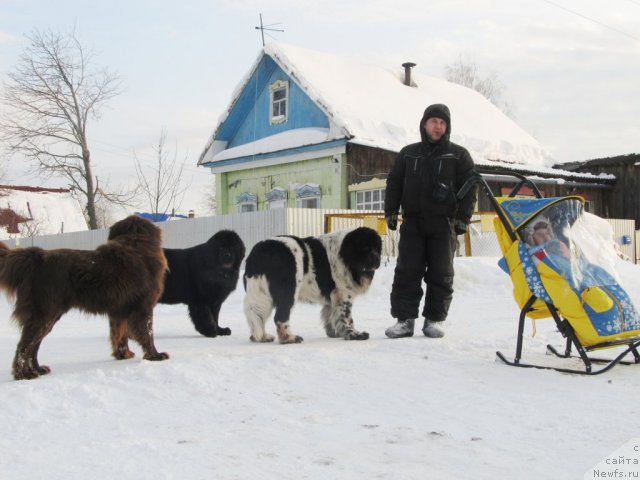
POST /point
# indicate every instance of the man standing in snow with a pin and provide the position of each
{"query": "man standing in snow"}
(424, 181)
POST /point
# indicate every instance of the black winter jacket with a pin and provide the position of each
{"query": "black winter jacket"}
(417, 169)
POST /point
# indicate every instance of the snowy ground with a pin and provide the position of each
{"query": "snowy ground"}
(226, 408)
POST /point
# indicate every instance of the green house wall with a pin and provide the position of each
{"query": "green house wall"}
(328, 172)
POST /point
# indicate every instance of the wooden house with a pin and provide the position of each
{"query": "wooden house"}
(624, 199)
(309, 129)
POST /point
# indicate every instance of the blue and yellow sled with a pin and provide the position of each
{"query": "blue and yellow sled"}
(552, 277)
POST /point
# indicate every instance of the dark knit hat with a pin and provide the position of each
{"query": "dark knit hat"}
(437, 110)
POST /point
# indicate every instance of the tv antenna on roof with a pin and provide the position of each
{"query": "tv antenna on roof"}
(262, 28)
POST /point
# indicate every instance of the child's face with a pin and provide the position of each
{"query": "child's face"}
(541, 235)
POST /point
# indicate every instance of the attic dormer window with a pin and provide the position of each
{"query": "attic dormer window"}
(279, 94)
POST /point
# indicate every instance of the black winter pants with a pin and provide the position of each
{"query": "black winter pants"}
(425, 251)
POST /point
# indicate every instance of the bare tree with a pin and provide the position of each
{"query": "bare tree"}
(163, 189)
(51, 96)
(210, 198)
(464, 71)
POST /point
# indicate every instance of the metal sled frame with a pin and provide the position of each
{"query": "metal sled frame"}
(572, 341)
(564, 327)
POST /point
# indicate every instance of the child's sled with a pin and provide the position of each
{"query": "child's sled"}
(552, 277)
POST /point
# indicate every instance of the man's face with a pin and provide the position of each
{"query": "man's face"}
(436, 128)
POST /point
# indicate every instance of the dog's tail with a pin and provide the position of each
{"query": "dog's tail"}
(4, 252)
(16, 267)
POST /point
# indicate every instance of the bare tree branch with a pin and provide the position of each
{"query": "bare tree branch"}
(52, 94)
(464, 71)
(162, 187)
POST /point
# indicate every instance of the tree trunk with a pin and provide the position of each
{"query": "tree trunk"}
(91, 190)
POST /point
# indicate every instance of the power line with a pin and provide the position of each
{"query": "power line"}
(592, 20)
(635, 3)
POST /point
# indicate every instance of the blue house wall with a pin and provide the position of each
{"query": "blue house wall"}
(248, 120)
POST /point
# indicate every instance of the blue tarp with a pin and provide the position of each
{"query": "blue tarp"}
(159, 217)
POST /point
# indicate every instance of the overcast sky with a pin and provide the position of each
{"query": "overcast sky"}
(571, 68)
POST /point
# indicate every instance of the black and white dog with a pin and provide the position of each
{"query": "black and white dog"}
(331, 270)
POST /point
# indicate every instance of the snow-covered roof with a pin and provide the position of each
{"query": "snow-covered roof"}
(370, 105)
(40, 211)
(373, 105)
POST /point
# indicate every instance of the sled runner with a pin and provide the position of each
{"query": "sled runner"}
(545, 242)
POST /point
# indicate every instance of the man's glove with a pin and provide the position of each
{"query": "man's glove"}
(459, 227)
(392, 221)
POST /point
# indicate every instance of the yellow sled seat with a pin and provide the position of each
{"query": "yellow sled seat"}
(599, 314)
(521, 291)
(552, 277)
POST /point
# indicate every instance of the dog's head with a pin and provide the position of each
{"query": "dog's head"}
(360, 251)
(135, 228)
(228, 252)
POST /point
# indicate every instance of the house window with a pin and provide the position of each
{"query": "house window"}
(247, 202)
(276, 198)
(308, 196)
(370, 200)
(308, 202)
(279, 93)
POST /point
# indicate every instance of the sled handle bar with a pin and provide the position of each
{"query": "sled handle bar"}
(476, 178)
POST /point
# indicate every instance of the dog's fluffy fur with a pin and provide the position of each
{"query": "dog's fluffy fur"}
(203, 277)
(331, 270)
(122, 278)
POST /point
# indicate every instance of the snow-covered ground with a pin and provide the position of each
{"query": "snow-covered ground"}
(226, 408)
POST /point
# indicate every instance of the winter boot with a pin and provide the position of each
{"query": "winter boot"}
(404, 328)
(432, 329)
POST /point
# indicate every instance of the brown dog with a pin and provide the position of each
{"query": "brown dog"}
(122, 278)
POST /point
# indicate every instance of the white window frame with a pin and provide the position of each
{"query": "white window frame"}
(278, 109)
(308, 202)
(370, 199)
(275, 204)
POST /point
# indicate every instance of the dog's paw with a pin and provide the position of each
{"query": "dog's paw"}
(223, 331)
(357, 336)
(123, 353)
(291, 339)
(156, 357)
(30, 374)
(265, 339)
(331, 333)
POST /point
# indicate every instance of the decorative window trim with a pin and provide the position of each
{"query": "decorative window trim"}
(308, 195)
(278, 117)
(276, 198)
(247, 202)
(308, 190)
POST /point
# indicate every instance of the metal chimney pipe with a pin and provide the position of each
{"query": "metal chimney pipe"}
(407, 72)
